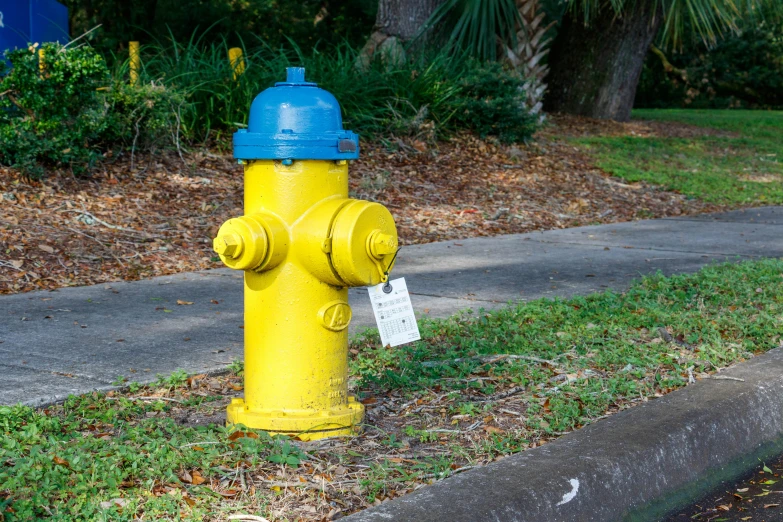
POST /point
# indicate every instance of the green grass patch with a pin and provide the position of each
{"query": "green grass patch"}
(740, 166)
(477, 387)
(599, 349)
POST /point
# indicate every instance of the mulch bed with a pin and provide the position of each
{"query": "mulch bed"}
(156, 215)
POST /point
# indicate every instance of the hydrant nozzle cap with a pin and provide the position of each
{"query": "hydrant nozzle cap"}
(295, 120)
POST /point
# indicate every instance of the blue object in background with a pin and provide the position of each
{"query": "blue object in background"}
(23, 22)
(295, 120)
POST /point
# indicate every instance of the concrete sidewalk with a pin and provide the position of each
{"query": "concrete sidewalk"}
(79, 339)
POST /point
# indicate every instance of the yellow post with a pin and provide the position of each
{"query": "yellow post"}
(135, 62)
(302, 242)
(237, 62)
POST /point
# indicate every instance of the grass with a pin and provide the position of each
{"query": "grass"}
(743, 165)
(420, 97)
(476, 388)
(601, 347)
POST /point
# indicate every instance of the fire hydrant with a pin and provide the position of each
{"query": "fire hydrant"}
(301, 243)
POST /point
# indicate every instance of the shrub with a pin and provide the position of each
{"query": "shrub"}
(68, 110)
(60, 107)
(743, 70)
(142, 116)
(437, 93)
(51, 110)
(492, 103)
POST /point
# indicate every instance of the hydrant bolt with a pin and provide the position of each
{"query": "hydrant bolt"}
(229, 245)
(382, 244)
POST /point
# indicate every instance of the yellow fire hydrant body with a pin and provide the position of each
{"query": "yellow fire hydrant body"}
(302, 242)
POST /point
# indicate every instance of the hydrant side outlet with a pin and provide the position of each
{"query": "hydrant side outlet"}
(302, 242)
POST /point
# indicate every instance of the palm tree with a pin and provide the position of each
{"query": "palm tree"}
(512, 30)
(527, 55)
(597, 56)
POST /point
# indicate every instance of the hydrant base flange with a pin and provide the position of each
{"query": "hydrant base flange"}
(329, 423)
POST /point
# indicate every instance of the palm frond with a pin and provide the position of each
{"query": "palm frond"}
(709, 19)
(476, 26)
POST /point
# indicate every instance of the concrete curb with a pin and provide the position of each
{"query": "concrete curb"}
(639, 464)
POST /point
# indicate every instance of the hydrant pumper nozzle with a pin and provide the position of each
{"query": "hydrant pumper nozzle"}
(301, 243)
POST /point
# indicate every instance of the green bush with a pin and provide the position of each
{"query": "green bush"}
(142, 116)
(51, 110)
(71, 110)
(60, 107)
(741, 71)
(491, 102)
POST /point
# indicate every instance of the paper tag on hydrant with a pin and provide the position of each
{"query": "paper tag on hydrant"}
(394, 313)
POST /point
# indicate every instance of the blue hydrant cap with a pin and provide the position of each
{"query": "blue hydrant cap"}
(295, 120)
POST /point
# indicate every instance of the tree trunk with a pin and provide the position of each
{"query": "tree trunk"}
(396, 24)
(595, 69)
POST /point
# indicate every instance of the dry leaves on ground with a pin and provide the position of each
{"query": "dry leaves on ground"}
(159, 217)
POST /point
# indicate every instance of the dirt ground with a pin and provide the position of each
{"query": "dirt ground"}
(154, 215)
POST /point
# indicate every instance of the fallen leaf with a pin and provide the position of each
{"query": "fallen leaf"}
(46, 248)
(60, 462)
(197, 478)
(17, 263)
(767, 506)
(118, 502)
(181, 302)
(239, 434)
(419, 145)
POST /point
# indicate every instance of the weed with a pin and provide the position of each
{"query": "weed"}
(237, 367)
(424, 436)
(283, 452)
(177, 378)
